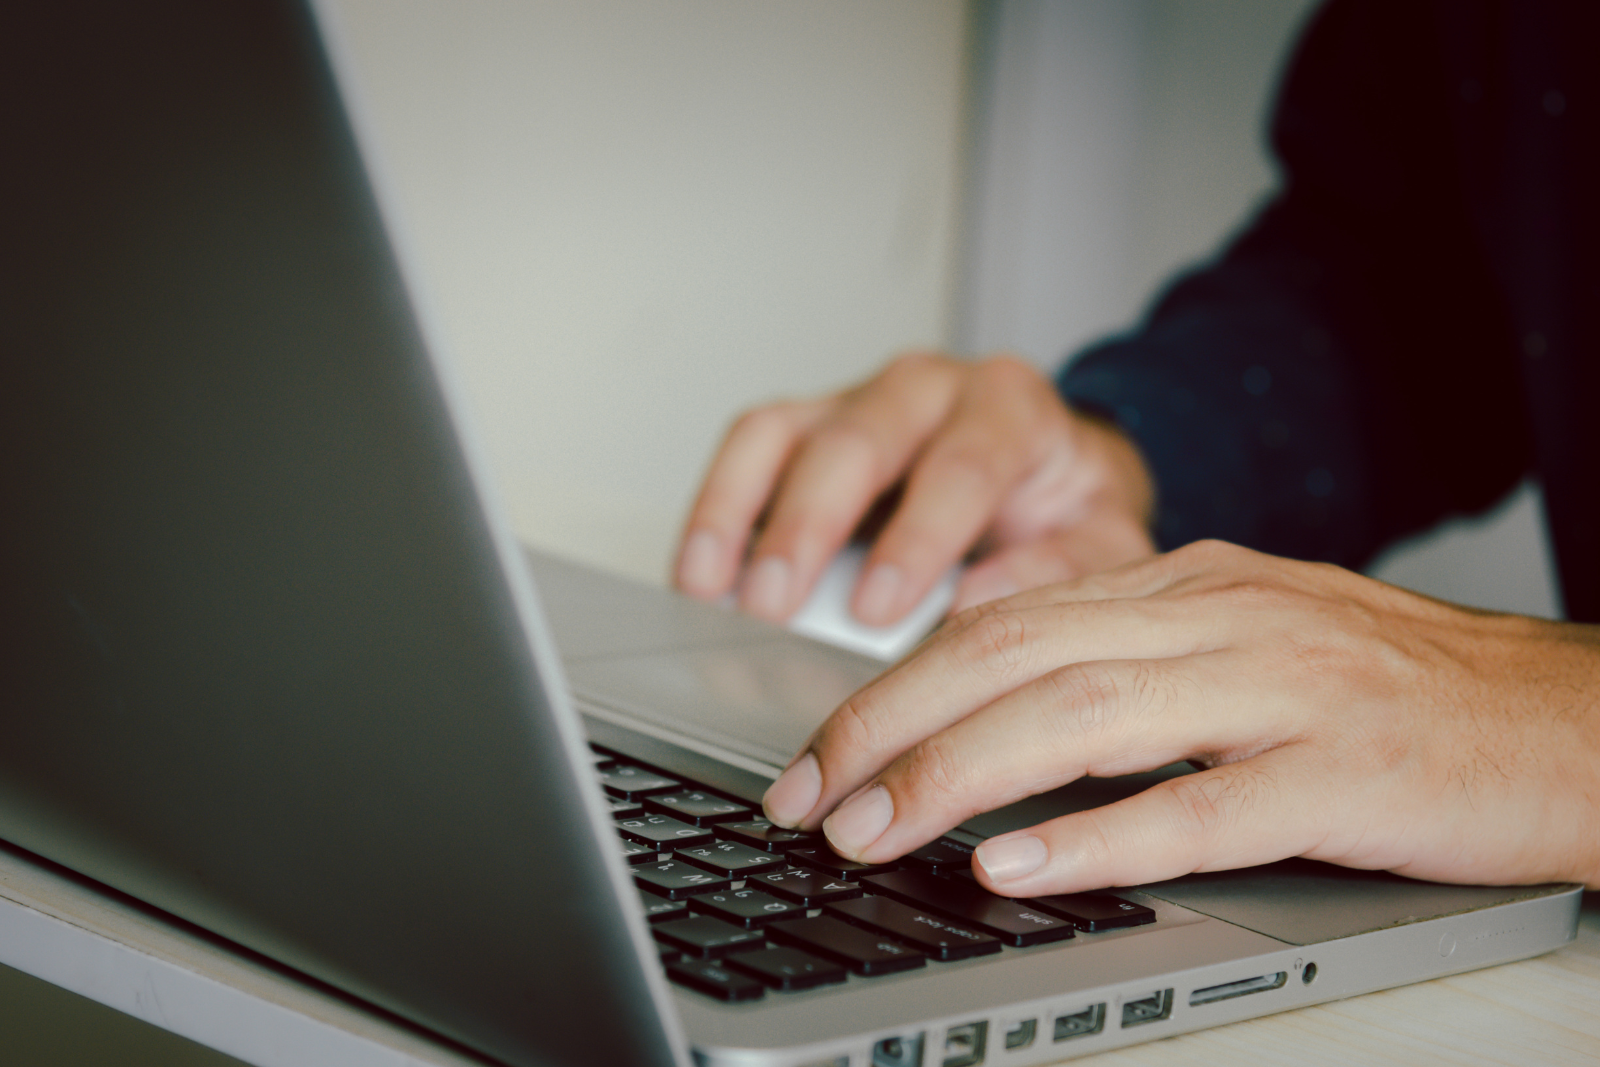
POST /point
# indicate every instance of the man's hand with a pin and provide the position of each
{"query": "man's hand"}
(986, 455)
(1336, 717)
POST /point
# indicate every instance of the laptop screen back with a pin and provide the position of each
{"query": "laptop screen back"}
(262, 667)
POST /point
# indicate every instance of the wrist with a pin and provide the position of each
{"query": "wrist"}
(1127, 484)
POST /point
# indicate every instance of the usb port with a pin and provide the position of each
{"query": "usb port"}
(1081, 1023)
(1022, 1034)
(1150, 1009)
(1242, 988)
(963, 1045)
(898, 1052)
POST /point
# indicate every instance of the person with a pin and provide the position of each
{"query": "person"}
(1164, 543)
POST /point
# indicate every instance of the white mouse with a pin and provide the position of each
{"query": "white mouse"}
(826, 613)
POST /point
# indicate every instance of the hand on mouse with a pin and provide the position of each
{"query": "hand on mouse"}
(986, 458)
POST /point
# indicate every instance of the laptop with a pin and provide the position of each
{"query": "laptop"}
(276, 665)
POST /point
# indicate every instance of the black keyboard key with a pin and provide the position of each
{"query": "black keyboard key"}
(823, 858)
(864, 952)
(713, 979)
(943, 856)
(788, 968)
(1095, 911)
(676, 880)
(634, 852)
(933, 934)
(661, 910)
(811, 888)
(702, 809)
(1014, 922)
(762, 834)
(668, 954)
(730, 857)
(662, 831)
(623, 809)
(746, 907)
(632, 783)
(706, 938)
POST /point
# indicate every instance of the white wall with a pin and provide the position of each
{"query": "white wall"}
(635, 218)
(1122, 139)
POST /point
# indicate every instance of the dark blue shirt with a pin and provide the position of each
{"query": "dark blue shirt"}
(1409, 329)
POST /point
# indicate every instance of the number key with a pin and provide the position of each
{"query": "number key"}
(662, 831)
(631, 783)
(702, 809)
(728, 857)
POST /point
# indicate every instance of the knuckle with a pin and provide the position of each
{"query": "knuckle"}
(1255, 594)
(1207, 805)
(843, 436)
(956, 626)
(1199, 802)
(1006, 369)
(939, 774)
(967, 463)
(1088, 697)
(994, 642)
(1208, 552)
(915, 364)
(763, 421)
(851, 728)
(964, 618)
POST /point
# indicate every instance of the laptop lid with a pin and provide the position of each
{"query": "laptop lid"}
(270, 663)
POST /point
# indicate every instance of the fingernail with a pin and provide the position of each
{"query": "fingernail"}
(700, 565)
(797, 790)
(1010, 858)
(860, 821)
(879, 595)
(766, 591)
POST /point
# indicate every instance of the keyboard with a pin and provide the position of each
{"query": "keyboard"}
(741, 908)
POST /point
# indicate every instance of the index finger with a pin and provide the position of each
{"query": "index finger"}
(964, 668)
(846, 461)
(995, 437)
(742, 476)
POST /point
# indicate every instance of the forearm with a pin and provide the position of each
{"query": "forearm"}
(1245, 412)
(1343, 374)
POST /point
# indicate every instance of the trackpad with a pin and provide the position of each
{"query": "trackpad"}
(759, 700)
(1305, 902)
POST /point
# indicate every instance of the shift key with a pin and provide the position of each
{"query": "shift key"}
(1011, 921)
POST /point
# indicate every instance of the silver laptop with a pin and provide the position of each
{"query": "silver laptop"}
(276, 666)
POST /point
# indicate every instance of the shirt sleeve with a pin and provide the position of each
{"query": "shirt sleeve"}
(1343, 374)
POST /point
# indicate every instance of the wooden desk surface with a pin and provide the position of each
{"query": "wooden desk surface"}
(1540, 1011)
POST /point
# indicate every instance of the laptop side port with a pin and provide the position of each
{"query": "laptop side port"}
(1081, 1023)
(898, 1052)
(1150, 1009)
(963, 1045)
(1022, 1034)
(1242, 988)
